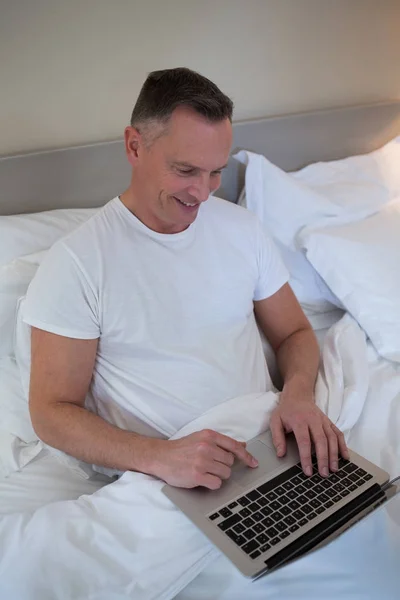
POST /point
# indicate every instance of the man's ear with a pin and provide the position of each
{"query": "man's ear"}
(133, 141)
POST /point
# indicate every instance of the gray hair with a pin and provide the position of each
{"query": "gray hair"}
(163, 91)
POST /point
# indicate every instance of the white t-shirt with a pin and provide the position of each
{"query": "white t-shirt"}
(173, 312)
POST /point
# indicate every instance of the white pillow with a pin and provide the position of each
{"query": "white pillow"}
(14, 281)
(287, 202)
(24, 234)
(360, 263)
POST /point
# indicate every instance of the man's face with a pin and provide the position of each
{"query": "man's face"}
(178, 171)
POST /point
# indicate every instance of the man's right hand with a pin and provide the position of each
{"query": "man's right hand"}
(203, 458)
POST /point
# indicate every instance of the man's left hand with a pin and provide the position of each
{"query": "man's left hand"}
(301, 416)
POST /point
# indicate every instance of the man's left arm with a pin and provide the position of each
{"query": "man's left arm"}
(287, 329)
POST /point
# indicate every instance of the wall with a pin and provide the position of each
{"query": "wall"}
(70, 70)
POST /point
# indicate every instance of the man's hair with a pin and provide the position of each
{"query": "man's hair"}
(163, 91)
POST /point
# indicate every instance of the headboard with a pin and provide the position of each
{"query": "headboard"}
(88, 176)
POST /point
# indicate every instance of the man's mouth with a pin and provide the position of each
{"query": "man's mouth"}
(187, 204)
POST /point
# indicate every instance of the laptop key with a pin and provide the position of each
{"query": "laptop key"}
(298, 515)
(232, 505)
(320, 510)
(315, 503)
(326, 484)
(248, 522)
(292, 495)
(266, 511)
(341, 474)
(367, 477)
(258, 528)
(293, 528)
(285, 510)
(253, 507)
(284, 534)
(258, 516)
(288, 486)
(275, 505)
(306, 509)
(284, 499)
(262, 501)
(255, 554)
(239, 528)
(268, 522)
(303, 522)
(238, 539)
(271, 532)
(214, 516)
(274, 541)
(331, 493)
(334, 478)
(361, 473)
(225, 512)
(323, 497)
(307, 484)
(279, 490)
(336, 499)
(253, 495)
(352, 487)
(338, 487)
(289, 520)
(329, 504)
(280, 526)
(318, 489)
(243, 501)
(301, 489)
(262, 539)
(265, 547)
(311, 516)
(359, 482)
(249, 534)
(276, 516)
(344, 493)
(244, 513)
(229, 522)
(250, 546)
(296, 480)
(349, 468)
(310, 494)
(271, 496)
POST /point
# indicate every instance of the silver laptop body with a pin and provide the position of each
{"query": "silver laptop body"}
(264, 517)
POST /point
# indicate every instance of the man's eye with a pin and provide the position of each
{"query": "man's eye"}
(216, 173)
(185, 171)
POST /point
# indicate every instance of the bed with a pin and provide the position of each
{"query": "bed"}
(358, 385)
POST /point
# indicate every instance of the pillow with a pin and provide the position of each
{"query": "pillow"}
(286, 202)
(360, 263)
(14, 281)
(24, 234)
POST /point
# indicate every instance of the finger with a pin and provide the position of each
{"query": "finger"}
(303, 440)
(278, 435)
(237, 448)
(321, 448)
(343, 449)
(222, 456)
(210, 481)
(332, 446)
(213, 467)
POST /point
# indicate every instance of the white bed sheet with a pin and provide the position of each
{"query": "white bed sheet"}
(376, 435)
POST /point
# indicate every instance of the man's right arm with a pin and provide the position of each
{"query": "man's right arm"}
(61, 372)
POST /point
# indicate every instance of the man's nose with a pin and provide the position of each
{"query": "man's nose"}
(201, 190)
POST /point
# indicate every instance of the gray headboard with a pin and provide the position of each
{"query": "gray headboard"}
(88, 176)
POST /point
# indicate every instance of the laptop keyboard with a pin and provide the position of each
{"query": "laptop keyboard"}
(273, 511)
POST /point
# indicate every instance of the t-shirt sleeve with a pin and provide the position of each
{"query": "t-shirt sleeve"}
(61, 299)
(272, 273)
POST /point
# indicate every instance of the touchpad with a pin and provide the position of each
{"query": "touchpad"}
(268, 462)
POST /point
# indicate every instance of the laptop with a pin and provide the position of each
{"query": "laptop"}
(263, 518)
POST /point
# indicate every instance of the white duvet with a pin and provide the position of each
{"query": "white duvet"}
(127, 541)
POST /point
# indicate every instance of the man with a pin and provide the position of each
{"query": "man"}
(152, 313)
